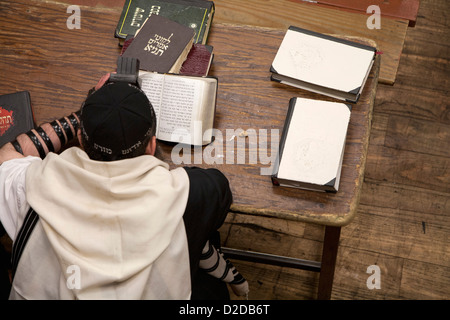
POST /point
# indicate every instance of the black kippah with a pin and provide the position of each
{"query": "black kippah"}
(117, 118)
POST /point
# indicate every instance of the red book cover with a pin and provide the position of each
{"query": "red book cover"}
(16, 115)
(198, 61)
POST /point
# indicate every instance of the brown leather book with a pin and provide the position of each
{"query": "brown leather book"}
(197, 63)
(161, 45)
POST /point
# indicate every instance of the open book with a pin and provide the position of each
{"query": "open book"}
(184, 106)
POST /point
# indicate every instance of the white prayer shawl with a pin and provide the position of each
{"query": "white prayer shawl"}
(106, 230)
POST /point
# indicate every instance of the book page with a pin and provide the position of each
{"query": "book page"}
(152, 84)
(181, 100)
(177, 102)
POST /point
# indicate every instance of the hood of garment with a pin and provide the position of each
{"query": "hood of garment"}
(114, 221)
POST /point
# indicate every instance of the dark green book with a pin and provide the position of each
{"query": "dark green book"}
(196, 14)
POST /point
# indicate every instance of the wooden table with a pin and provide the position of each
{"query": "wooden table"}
(58, 66)
(248, 102)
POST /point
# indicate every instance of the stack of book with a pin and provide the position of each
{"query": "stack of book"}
(196, 14)
(169, 40)
(312, 143)
(174, 32)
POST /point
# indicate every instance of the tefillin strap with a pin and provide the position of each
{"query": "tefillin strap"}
(73, 120)
(37, 143)
(59, 132)
(46, 139)
(66, 127)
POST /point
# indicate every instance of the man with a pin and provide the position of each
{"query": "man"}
(108, 220)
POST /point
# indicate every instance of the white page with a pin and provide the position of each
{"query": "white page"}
(174, 109)
(178, 115)
(315, 140)
(152, 84)
(323, 62)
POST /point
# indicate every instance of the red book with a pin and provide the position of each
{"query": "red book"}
(198, 61)
(16, 115)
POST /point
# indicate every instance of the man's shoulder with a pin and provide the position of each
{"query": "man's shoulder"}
(207, 180)
(208, 186)
(199, 175)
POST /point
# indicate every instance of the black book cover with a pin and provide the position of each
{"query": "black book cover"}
(16, 115)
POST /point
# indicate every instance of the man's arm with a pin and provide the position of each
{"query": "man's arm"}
(49, 137)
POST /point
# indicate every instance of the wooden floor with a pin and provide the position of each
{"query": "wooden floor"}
(403, 220)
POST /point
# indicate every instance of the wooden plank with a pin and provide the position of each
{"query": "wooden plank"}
(351, 275)
(399, 9)
(423, 103)
(380, 230)
(429, 40)
(277, 283)
(431, 205)
(400, 278)
(408, 168)
(428, 100)
(427, 281)
(423, 84)
(283, 13)
(418, 135)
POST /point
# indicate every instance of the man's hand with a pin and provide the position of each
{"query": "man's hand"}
(102, 81)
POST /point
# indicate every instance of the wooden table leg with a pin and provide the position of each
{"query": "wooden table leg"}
(329, 254)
